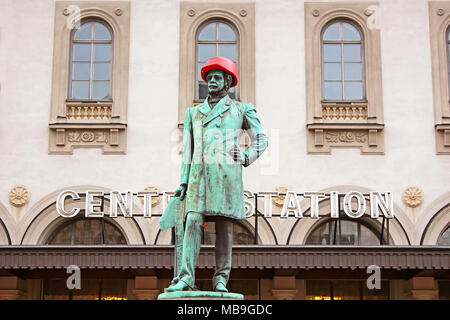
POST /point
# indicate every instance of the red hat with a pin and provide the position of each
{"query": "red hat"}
(223, 64)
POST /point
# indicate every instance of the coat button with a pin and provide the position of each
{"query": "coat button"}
(221, 115)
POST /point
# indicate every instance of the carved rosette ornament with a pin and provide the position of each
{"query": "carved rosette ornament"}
(19, 196)
(279, 201)
(412, 197)
(155, 200)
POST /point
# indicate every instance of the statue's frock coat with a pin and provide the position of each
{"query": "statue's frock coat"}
(213, 178)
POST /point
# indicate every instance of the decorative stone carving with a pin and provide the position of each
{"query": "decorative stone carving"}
(191, 13)
(440, 12)
(344, 112)
(66, 12)
(243, 13)
(316, 13)
(118, 12)
(412, 197)
(278, 201)
(345, 136)
(86, 136)
(155, 200)
(19, 196)
(368, 12)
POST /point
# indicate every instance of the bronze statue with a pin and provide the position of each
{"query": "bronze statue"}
(211, 172)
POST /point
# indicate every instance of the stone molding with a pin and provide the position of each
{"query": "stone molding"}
(439, 14)
(353, 124)
(89, 124)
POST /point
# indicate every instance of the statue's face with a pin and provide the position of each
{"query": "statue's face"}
(216, 80)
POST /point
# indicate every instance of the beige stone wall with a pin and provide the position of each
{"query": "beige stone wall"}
(153, 139)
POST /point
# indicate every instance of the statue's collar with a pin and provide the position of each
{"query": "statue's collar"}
(222, 106)
(206, 109)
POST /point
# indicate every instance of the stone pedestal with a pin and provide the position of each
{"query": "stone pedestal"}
(200, 295)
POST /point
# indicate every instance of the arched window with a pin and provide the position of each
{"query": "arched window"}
(342, 62)
(444, 239)
(241, 234)
(215, 38)
(91, 60)
(343, 232)
(87, 231)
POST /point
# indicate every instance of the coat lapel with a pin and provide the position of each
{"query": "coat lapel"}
(222, 106)
(204, 107)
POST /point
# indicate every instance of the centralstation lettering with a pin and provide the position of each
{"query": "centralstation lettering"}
(353, 203)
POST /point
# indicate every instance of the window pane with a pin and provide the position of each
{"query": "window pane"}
(102, 52)
(228, 51)
(332, 71)
(81, 52)
(208, 32)
(113, 235)
(84, 33)
(241, 235)
(349, 233)
(206, 52)
(81, 71)
(209, 233)
(55, 289)
(202, 90)
(352, 71)
(87, 232)
(114, 289)
(332, 90)
(321, 235)
(352, 52)
(100, 90)
(332, 52)
(346, 290)
(332, 32)
(232, 93)
(226, 33)
(444, 239)
(101, 71)
(368, 238)
(88, 291)
(318, 290)
(199, 71)
(101, 32)
(376, 294)
(64, 236)
(80, 89)
(353, 91)
(349, 32)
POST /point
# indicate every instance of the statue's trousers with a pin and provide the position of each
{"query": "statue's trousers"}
(191, 248)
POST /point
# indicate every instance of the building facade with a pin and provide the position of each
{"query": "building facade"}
(354, 96)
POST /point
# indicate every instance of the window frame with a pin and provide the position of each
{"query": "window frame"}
(192, 16)
(73, 222)
(337, 221)
(91, 42)
(439, 21)
(89, 123)
(197, 42)
(343, 123)
(341, 43)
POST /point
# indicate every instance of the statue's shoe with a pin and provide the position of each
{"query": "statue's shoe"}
(220, 287)
(179, 286)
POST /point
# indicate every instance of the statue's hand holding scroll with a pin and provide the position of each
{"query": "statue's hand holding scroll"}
(181, 191)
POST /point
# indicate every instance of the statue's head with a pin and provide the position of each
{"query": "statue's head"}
(220, 73)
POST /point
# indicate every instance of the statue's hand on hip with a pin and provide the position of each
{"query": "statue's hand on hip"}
(237, 155)
(181, 191)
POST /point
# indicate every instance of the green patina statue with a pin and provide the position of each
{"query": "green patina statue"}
(211, 173)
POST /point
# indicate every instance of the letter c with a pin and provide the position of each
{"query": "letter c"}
(60, 204)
